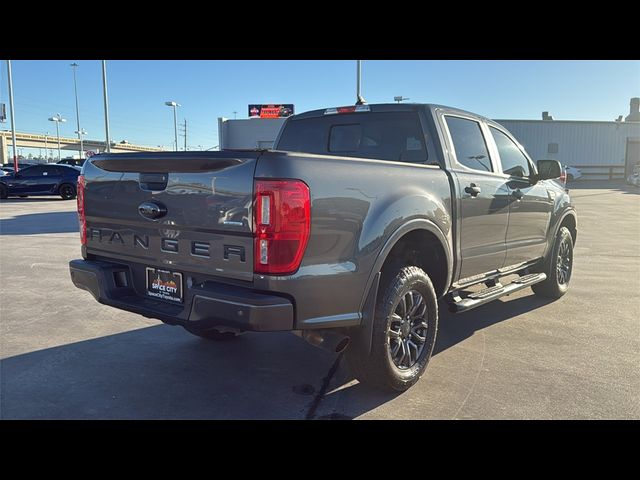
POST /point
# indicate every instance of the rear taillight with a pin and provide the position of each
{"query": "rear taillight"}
(81, 215)
(563, 176)
(282, 214)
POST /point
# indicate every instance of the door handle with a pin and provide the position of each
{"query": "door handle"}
(517, 194)
(473, 190)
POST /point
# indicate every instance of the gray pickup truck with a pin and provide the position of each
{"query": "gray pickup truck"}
(347, 233)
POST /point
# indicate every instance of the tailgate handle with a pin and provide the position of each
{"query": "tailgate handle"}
(153, 181)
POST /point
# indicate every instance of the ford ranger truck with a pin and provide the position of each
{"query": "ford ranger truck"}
(347, 233)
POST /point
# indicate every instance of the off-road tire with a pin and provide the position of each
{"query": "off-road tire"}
(552, 287)
(378, 369)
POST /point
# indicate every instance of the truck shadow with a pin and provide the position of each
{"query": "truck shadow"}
(452, 330)
(164, 372)
(38, 223)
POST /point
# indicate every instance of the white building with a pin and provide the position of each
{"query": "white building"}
(599, 149)
(248, 132)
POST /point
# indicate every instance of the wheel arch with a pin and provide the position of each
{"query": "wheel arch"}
(568, 219)
(420, 228)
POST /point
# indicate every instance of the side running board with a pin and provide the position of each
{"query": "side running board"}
(458, 304)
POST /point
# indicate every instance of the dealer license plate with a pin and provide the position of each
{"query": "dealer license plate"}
(164, 285)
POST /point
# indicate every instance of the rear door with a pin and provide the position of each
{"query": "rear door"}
(530, 206)
(53, 178)
(484, 201)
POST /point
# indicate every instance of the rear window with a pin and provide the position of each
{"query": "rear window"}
(395, 136)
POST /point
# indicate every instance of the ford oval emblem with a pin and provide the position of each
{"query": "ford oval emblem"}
(152, 210)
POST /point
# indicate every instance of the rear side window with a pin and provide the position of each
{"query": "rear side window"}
(55, 170)
(468, 143)
(395, 136)
(65, 170)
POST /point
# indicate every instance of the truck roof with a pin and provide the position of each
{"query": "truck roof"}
(391, 107)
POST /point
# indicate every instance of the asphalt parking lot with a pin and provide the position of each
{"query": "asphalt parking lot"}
(65, 356)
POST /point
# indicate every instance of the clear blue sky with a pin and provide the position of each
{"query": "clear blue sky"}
(584, 90)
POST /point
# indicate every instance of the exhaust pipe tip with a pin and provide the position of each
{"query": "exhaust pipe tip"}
(327, 339)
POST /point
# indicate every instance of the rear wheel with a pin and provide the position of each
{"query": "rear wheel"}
(212, 334)
(404, 332)
(558, 267)
(3, 192)
(67, 191)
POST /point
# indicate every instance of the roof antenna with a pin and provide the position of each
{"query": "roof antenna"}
(359, 99)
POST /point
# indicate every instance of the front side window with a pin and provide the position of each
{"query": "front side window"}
(513, 161)
(468, 143)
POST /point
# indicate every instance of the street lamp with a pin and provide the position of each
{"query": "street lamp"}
(75, 87)
(175, 120)
(58, 119)
(400, 99)
(81, 133)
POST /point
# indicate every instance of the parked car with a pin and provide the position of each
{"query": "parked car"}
(634, 178)
(572, 173)
(46, 179)
(9, 166)
(346, 234)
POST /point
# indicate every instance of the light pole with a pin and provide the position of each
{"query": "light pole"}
(13, 118)
(106, 104)
(359, 99)
(81, 133)
(57, 119)
(175, 120)
(75, 88)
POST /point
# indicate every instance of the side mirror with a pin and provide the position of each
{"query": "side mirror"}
(548, 169)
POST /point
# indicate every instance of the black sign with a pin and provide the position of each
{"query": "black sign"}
(3, 112)
(271, 110)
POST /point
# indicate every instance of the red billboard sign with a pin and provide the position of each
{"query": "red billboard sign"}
(270, 110)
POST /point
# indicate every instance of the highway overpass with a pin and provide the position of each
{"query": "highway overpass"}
(31, 140)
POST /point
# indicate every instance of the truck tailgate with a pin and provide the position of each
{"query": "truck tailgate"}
(201, 201)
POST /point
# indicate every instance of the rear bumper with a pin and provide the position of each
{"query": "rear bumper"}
(206, 305)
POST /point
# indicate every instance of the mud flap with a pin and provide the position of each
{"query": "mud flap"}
(362, 336)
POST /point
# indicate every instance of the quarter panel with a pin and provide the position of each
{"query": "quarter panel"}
(356, 205)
